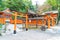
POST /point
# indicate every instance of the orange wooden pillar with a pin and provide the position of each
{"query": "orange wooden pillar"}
(4, 20)
(44, 22)
(0, 20)
(52, 21)
(48, 22)
(15, 22)
(26, 22)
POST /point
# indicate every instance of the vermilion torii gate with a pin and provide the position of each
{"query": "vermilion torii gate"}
(16, 22)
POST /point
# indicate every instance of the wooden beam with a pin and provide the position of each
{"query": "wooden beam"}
(19, 15)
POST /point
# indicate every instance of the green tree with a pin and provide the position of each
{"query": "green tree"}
(1, 5)
(19, 5)
(58, 2)
(53, 3)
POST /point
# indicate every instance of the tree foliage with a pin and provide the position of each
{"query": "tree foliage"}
(17, 5)
(58, 2)
(2, 5)
(53, 3)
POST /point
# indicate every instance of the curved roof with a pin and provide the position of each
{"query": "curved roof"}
(51, 12)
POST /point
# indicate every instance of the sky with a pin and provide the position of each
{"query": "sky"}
(39, 2)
